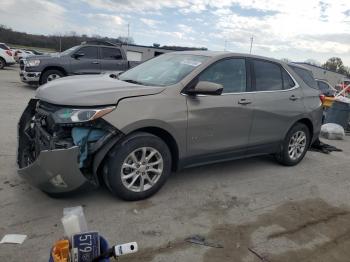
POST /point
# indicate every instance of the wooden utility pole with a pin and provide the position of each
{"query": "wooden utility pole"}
(251, 44)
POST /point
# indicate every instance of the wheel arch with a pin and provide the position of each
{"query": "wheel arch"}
(309, 125)
(162, 133)
(306, 121)
(59, 68)
(168, 139)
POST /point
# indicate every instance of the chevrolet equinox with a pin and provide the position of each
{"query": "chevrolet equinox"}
(177, 110)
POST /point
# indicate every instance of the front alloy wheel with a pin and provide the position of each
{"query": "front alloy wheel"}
(142, 169)
(138, 166)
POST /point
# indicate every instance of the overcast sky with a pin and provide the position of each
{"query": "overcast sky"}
(298, 29)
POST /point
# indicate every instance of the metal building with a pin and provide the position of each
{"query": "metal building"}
(331, 77)
(143, 53)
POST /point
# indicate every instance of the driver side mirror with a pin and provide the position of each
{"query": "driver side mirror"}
(78, 55)
(206, 88)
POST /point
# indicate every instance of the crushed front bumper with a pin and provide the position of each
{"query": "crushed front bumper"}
(51, 162)
(55, 171)
(29, 77)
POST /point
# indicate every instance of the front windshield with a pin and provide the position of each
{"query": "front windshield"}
(164, 70)
(66, 52)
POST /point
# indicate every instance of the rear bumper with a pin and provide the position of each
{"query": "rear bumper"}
(55, 171)
(29, 77)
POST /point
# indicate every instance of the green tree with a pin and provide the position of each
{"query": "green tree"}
(335, 64)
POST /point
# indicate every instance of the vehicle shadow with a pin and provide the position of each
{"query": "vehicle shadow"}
(231, 167)
(193, 175)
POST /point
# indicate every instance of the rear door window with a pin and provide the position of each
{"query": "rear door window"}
(230, 73)
(268, 76)
(90, 52)
(110, 53)
(288, 82)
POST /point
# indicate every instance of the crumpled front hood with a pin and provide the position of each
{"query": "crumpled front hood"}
(91, 90)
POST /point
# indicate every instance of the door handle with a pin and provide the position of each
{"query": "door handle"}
(294, 98)
(244, 101)
(95, 62)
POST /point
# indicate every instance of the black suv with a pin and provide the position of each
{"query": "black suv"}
(88, 58)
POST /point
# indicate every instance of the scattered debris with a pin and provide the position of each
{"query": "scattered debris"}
(262, 258)
(319, 146)
(200, 240)
(332, 131)
(152, 233)
(13, 239)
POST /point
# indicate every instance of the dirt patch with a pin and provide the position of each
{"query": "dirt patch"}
(305, 231)
(140, 206)
(309, 230)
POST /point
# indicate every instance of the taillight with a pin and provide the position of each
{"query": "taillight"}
(322, 98)
(9, 52)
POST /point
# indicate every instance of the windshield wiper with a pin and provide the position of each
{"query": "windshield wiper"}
(133, 81)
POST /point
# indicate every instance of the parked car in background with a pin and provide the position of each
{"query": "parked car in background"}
(6, 56)
(5, 47)
(177, 110)
(326, 88)
(34, 52)
(88, 58)
(21, 53)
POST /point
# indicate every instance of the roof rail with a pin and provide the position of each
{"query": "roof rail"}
(100, 42)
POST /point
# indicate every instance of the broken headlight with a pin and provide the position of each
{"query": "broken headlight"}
(74, 115)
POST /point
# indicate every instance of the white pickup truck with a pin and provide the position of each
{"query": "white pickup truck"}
(6, 56)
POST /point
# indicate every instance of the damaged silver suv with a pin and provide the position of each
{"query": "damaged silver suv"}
(178, 110)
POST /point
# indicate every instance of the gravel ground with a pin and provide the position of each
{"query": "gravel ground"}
(252, 208)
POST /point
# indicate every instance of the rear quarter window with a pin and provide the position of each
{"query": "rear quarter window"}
(306, 76)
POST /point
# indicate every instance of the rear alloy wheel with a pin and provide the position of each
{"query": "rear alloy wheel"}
(138, 166)
(295, 145)
(51, 75)
(2, 63)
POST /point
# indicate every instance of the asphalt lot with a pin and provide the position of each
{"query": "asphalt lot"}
(281, 213)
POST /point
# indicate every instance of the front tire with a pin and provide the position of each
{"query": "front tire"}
(2, 63)
(138, 166)
(50, 75)
(295, 145)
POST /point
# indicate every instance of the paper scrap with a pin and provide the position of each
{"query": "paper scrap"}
(13, 239)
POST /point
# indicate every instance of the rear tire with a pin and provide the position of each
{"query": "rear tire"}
(2, 63)
(138, 166)
(295, 145)
(50, 75)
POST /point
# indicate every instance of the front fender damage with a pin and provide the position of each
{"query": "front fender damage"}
(59, 158)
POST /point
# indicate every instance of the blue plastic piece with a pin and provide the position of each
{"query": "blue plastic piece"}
(82, 136)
